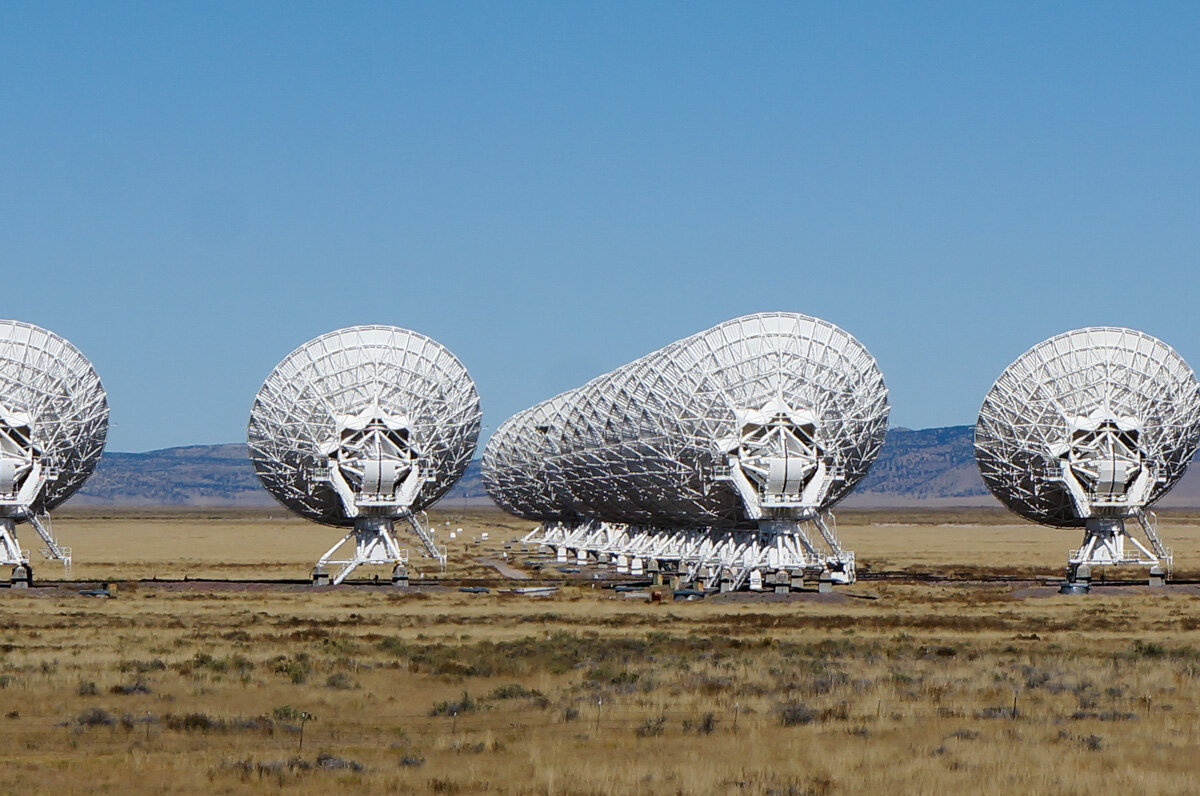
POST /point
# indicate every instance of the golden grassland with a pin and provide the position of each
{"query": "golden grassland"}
(255, 544)
(888, 686)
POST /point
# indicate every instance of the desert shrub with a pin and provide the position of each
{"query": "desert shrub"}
(465, 704)
(136, 687)
(651, 727)
(995, 713)
(340, 645)
(512, 691)
(469, 748)
(95, 717)
(262, 724)
(203, 662)
(607, 675)
(193, 722)
(240, 663)
(341, 681)
(1103, 715)
(202, 722)
(328, 761)
(1152, 649)
(826, 683)
(393, 646)
(296, 668)
(793, 714)
(702, 726)
(86, 688)
(287, 713)
(709, 685)
(142, 667)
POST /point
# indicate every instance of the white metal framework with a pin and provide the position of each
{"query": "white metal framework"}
(362, 427)
(710, 456)
(1087, 430)
(53, 421)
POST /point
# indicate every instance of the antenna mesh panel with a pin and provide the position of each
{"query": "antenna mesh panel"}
(642, 444)
(1027, 412)
(45, 377)
(342, 373)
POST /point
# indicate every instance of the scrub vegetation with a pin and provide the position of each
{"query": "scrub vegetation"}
(892, 686)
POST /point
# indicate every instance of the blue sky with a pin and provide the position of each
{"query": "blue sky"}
(188, 191)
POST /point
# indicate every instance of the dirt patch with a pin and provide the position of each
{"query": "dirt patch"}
(504, 569)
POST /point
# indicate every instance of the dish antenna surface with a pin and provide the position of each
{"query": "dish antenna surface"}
(362, 427)
(514, 462)
(1087, 430)
(53, 421)
(710, 455)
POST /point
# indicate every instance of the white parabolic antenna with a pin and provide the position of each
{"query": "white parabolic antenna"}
(1087, 430)
(362, 427)
(710, 455)
(53, 421)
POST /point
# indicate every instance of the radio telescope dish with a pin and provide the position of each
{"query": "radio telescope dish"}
(53, 421)
(1089, 429)
(711, 453)
(361, 427)
(514, 462)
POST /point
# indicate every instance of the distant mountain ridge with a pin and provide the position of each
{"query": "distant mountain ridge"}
(933, 464)
(199, 475)
(929, 467)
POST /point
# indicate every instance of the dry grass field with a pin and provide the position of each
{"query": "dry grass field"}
(889, 686)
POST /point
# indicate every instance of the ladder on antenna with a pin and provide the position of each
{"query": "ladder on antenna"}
(53, 550)
(431, 548)
(1149, 522)
(374, 542)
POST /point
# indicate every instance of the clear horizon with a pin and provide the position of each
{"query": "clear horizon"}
(194, 190)
(475, 457)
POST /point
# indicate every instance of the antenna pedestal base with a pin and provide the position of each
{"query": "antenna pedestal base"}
(374, 542)
(1107, 542)
(779, 555)
(11, 554)
(22, 577)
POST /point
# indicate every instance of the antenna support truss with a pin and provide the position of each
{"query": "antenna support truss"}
(1108, 543)
(373, 542)
(782, 551)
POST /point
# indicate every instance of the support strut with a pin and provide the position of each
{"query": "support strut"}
(374, 543)
(1107, 542)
